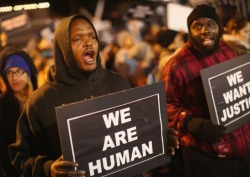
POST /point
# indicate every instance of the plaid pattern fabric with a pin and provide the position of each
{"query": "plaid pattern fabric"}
(186, 97)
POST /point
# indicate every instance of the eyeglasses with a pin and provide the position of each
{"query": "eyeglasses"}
(17, 73)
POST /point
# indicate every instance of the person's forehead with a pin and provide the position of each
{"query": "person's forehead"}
(78, 21)
(14, 68)
(202, 20)
(81, 24)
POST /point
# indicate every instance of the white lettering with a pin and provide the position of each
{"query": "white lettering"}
(236, 93)
(111, 118)
(120, 137)
(123, 114)
(108, 143)
(97, 167)
(132, 134)
(135, 154)
(235, 78)
(235, 109)
(120, 158)
(105, 163)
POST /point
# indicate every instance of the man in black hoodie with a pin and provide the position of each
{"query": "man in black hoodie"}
(77, 75)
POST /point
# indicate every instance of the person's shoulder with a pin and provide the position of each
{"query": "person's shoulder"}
(41, 93)
(227, 48)
(113, 75)
(225, 44)
(116, 78)
(180, 55)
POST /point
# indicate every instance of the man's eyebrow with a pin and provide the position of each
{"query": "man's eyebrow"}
(196, 22)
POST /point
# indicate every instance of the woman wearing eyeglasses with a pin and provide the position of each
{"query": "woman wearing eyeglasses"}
(237, 34)
(19, 74)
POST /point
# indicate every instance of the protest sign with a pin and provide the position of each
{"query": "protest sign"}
(15, 22)
(120, 134)
(227, 88)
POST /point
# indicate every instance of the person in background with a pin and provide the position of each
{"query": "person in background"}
(20, 78)
(166, 43)
(237, 34)
(108, 55)
(225, 12)
(124, 64)
(151, 32)
(206, 149)
(143, 54)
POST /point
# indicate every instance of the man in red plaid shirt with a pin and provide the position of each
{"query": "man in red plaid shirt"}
(207, 151)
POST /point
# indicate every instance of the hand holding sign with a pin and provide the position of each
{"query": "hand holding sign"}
(65, 168)
(121, 134)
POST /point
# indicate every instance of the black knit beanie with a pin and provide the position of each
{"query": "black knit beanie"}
(202, 11)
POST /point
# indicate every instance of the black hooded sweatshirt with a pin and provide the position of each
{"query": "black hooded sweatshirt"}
(10, 110)
(38, 143)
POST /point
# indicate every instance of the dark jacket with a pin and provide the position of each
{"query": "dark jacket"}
(38, 142)
(10, 111)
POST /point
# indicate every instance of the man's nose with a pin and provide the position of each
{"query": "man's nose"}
(87, 41)
(204, 29)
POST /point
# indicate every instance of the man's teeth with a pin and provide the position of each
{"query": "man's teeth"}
(207, 41)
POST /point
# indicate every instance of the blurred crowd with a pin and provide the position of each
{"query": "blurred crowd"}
(138, 53)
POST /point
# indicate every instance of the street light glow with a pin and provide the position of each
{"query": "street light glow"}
(42, 5)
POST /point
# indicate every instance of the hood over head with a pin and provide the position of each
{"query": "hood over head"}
(27, 64)
(66, 70)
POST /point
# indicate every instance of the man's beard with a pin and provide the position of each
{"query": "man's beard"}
(203, 49)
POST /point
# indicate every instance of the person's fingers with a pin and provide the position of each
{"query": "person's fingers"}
(173, 141)
(172, 131)
(70, 173)
(77, 173)
(172, 150)
(65, 164)
(63, 168)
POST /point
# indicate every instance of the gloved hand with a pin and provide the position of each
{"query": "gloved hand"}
(205, 129)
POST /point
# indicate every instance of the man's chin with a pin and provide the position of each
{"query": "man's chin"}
(208, 49)
(89, 68)
(205, 49)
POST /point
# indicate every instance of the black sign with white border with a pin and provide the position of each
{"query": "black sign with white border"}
(121, 134)
(227, 88)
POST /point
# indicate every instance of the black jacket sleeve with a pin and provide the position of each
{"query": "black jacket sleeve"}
(27, 154)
